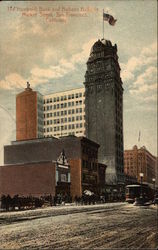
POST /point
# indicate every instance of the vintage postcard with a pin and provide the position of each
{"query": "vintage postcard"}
(78, 125)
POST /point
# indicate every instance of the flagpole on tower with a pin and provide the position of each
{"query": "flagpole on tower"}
(103, 24)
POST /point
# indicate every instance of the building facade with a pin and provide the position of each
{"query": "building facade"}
(140, 160)
(29, 179)
(57, 114)
(29, 114)
(35, 179)
(81, 153)
(64, 113)
(104, 107)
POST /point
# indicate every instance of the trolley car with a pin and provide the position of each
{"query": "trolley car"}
(135, 190)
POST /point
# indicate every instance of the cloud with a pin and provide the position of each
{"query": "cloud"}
(143, 89)
(64, 66)
(146, 57)
(12, 81)
(40, 75)
(147, 76)
(140, 73)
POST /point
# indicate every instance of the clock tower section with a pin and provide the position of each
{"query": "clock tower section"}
(104, 107)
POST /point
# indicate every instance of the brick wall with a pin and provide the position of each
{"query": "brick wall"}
(34, 179)
(26, 115)
(75, 172)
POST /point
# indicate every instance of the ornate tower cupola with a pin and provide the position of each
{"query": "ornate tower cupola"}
(104, 107)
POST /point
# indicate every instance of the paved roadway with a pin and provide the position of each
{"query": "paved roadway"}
(105, 226)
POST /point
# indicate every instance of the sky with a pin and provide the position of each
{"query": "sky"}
(48, 44)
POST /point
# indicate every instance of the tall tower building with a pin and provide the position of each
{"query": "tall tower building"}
(29, 114)
(104, 107)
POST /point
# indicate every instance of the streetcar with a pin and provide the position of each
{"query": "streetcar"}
(134, 191)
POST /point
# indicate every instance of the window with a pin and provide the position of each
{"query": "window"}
(65, 119)
(80, 94)
(58, 99)
(72, 103)
(54, 113)
(65, 127)
(63, 178)
(69, 104)
(77, 118)
(65, 112)
(62, 105)
(65, 98)
(47, 129)
(47, 115)
(50, 99)
(73, 111)
(55, 129)
(76, 102)
(48, 122)
(70, 126)
(54, 106)
(77, 110)
(73, 126)
(72, 96)
(73, 118)
(76, 95)
(58, 113)
(65, 105)
(81, 117)
(80, 110)
(57, 106)
(69, 119)
(69, 97)
(80, 102)
(61, 98)
(80, 125)
(62, 112)
(69, 112)
(54, 99)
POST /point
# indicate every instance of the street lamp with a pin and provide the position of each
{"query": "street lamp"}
(154, 184)
(141, 180)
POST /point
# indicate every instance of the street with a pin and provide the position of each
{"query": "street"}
(104, 226)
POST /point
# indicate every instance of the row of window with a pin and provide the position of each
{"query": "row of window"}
(66, 134)
(62, 105)
(63, 98)
(58, 128)
(64, 112)
(64, 120)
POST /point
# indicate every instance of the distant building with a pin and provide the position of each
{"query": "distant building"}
(64, 113)
(57, 114)
(82, 156)
(140, 160)
(104, 107)
(29, 114)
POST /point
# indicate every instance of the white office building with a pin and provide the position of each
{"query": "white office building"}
(64, 113)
